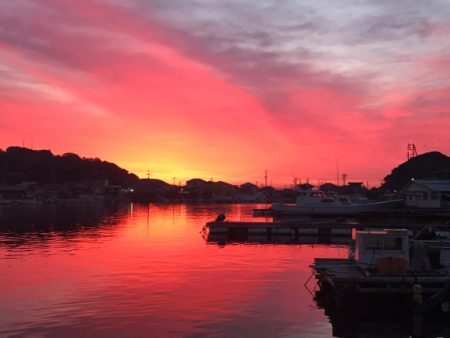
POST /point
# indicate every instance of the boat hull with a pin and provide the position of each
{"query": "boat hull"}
(296, 209)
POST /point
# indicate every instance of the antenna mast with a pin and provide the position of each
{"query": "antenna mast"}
(411, 151)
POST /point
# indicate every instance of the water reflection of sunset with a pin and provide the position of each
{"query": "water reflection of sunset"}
(155, 269)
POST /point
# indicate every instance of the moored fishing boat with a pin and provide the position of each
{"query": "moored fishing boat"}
(316, 202)
(387, 268)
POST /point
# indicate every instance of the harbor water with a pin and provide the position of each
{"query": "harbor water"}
(150, 271)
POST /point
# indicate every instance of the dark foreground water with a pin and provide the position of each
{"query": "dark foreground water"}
(148, 271)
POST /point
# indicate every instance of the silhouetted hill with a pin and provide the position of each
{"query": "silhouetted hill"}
(429, 165)
(19, 164)
(153, 185)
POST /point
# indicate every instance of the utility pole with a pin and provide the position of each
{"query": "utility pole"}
(344, 178)
(265, 179)
(148, 175)
(337, 172)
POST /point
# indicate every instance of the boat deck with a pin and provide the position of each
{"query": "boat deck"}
(337, 273)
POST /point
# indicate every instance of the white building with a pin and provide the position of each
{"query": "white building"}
(427, 193)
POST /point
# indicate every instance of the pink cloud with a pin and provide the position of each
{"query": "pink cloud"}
(122, 83)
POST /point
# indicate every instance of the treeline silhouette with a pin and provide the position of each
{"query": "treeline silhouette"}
(19, 164)
(425, 166)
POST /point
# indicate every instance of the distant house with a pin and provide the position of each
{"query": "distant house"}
(354, 188)
(223, 192)
(196, 183)
(356, 185)
(249, 192)
(427, 193)
(329, 187)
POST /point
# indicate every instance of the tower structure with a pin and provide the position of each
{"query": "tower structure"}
(411, 151)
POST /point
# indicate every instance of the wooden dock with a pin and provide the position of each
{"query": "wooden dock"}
(233, 238)
(293, 232)
(348, 283)
(335, 271)
(296, 228)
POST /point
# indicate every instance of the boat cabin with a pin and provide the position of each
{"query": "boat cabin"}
(314, 196)
(382, 250)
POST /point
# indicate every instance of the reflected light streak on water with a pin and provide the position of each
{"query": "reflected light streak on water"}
(141, 271)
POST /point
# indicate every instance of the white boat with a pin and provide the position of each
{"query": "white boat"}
(387, 268)
(373, 248)
(311, 202)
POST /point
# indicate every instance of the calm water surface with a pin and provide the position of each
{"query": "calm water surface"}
(148, 271)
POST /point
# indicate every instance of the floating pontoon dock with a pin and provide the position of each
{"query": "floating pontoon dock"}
(294, 229)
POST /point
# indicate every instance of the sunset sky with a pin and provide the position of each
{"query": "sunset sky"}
(225, 89)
